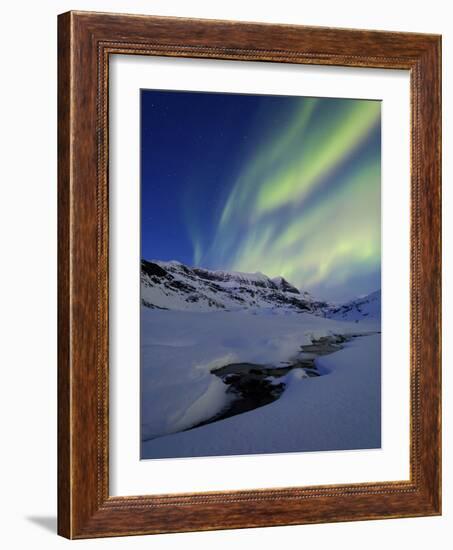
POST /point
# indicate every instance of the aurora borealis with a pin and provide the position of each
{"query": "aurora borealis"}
(286, 186)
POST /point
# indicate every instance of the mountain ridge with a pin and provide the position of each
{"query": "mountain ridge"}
(173, 285)
(176, 286)
(368, 306)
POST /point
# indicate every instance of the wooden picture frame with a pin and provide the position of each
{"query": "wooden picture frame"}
(85, 42)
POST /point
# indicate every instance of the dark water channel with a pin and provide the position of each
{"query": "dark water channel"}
(253, 385)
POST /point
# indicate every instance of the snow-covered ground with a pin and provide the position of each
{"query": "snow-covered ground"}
(340, 410)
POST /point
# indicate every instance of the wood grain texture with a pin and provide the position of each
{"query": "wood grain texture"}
(86, 40)
(64, 368)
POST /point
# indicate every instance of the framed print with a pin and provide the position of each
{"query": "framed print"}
(249, 275)
(260, 236)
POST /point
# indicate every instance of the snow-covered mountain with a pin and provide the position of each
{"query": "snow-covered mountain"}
(173, 285)
(368, 307)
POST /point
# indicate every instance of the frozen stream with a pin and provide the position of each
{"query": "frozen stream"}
(254, 385)
(233, 382)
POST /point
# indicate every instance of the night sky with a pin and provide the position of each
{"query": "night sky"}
(282, 185)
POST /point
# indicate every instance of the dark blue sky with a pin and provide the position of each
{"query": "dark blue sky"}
(283, 185)
(192, 146)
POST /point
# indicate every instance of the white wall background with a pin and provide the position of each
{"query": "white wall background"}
(28, 271)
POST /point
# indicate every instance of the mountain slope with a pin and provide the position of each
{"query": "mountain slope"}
(175, 286)
(368, 307)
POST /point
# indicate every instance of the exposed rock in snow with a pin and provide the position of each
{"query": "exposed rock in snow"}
(283, 284)
(175, 286)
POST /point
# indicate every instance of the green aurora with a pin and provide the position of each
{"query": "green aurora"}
(306, 206)
(286, 186)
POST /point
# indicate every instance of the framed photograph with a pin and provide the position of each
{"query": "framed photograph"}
(249, 275)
